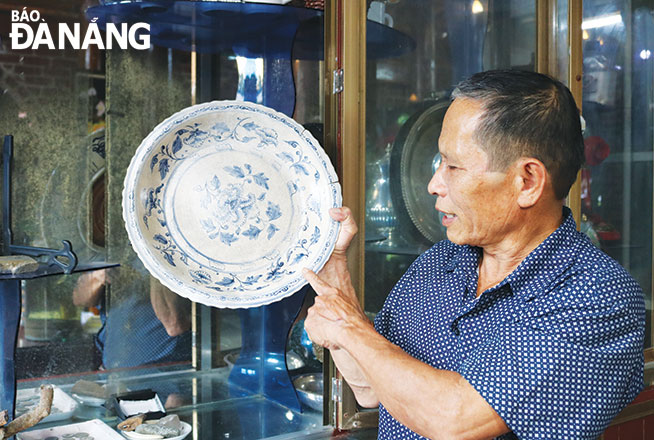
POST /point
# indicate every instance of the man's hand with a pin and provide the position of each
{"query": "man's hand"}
(333, 313)
(335, 272)
(337, 310)
(336, 306)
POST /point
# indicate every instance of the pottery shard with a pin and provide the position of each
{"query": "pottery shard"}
(32, 417)
(14, 264)
(157, 429)
(171, 421)
(169, 426)
(88, 388)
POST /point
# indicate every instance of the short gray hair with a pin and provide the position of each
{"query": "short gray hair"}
(527, 114)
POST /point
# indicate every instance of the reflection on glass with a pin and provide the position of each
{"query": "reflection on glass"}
(381, 213)
(54, 104)
(250, 79)
(618, 98)
(69, 163)
(558, 55)
(77, 119)
(407, 95)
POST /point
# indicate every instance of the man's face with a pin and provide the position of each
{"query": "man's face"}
(478, 204)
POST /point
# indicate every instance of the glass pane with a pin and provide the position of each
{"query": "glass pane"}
(146, 323)
(618, 98)
(429, 47)
(77, 118)
(53, 102)
(559, 57)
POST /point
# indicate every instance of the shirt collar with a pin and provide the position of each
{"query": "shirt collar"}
(465, 261)
(539, 269)
(554, 256)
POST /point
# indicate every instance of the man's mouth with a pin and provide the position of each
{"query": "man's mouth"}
(446, 217)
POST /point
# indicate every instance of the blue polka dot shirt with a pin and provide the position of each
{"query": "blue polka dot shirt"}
(556, 348)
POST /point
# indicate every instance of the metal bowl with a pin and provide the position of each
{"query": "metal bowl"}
(309, 389)
(293, 360)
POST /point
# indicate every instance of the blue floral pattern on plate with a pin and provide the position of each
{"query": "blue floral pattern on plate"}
(240, 209)
(226, 202)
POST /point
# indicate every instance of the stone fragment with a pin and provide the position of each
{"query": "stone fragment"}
(157, 429)
(88, 388)
(15, 264)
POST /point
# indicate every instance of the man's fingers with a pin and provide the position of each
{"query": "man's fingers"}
(348, 228)
(318, 284)
(319, 308)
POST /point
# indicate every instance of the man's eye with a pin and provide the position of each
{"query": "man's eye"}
(451, 167)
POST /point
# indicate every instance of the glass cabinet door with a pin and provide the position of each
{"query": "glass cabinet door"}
(430, 46)
(407, 93)
(618, 98)
(416, 52)
(78, 118)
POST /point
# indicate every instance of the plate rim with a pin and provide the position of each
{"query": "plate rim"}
(184, 289)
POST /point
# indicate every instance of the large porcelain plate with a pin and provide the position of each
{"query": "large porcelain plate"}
(226, 202)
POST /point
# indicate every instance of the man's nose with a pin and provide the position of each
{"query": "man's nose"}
(436, 185)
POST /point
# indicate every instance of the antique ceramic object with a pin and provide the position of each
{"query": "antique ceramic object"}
(62, 408)
(226, 202)
(186, 430)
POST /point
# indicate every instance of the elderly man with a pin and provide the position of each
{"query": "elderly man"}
(516, 326)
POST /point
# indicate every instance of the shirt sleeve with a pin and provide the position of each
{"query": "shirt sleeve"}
(564, 371)
(384, 320)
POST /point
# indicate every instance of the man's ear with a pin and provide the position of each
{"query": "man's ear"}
(531, 181)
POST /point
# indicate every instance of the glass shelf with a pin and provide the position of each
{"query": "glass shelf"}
(205, 399)
(45, 270)
(249, 29)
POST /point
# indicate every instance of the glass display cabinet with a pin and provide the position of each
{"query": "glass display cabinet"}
(371, 81)
(77, 116)
(406, 98)
(601, 50)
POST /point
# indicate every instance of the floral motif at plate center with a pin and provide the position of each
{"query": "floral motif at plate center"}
(230, 217)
